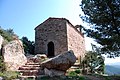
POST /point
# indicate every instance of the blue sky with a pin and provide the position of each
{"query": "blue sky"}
(24, 15)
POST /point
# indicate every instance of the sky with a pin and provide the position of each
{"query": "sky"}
(24, 15)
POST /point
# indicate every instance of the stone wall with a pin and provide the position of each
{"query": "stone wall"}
(76, 41)
(62, 33)
(51, 30)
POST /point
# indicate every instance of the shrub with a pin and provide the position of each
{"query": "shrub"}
(81, 78)
(72, 73)
(1, 74)
(5, 34)
(2, 64)
(44, 78)
(9, 75)
(75, 78)
(78, 71)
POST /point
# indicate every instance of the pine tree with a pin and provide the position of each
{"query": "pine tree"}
(94, 62)
(104, 16)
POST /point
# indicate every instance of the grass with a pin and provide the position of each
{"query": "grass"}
(29, 79)
(62, 78)
(9, 75)
(72, 75)
(78, 78)
(75, 78)
(114, 77)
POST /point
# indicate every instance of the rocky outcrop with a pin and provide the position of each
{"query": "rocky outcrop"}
(1, 42)
(13, 54)
(53, 72)
(60, 63)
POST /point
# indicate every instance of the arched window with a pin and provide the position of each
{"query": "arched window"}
(50, 49)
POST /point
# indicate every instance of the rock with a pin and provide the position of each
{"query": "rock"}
(34, 58)
(1, 78)
(13, 54)
(53, 72)
(61, 62)
(1, 42)
(42, 56)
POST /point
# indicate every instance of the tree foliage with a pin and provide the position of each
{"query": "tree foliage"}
(93, 62)
(7, 34)
(104, 16)
(2, 64)
(28, 45)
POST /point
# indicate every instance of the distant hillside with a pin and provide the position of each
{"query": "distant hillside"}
(116, 63)
(112, 69)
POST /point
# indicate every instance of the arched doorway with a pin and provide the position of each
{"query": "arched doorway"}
(50, 49)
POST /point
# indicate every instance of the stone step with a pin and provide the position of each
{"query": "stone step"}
(33, 77)
(74, 67)
(26, 77)
(32, 64)
(29, 72)
(28, 68)
(77, 61)
(22, 71)
(36, 73)
(76, 64)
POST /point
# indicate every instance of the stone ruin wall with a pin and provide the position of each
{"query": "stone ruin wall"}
(51, 30)
(76, 41)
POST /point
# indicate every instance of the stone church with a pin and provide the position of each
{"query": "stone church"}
(56, 35)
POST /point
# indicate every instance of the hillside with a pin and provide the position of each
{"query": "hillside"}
(112, 69)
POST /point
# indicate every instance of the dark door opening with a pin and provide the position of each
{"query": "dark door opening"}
(50, 49)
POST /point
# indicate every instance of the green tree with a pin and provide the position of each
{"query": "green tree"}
(10, 31)
(94, 62)
(7, 34)
(104, 16)
(28, 45)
